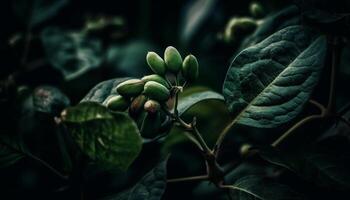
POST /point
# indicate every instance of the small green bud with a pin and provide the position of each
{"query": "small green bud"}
(190, 68)
(172, 59)
(136, 105)
(130, 88)
(156, 63)
(156, 91)
(245, 150)
(256, 10)
(156, 78)
(238, 28)
(152, 106)
(117, 103)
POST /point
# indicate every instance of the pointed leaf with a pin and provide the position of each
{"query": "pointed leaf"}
(10, 152)
(269, 83)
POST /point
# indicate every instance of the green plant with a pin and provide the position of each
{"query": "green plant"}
(275, 132)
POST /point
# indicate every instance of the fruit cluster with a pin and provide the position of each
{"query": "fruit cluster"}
(152, 92)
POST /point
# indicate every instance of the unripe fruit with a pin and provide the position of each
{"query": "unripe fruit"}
(117, 103)
(245, 150)
(136, 105)
(172, 59)
(190, 68)
(156, 63)
(152, 106)
(156, 78)
(156, 91)
(151, 125)
(130, 88)
(239, 27)
(256, 10)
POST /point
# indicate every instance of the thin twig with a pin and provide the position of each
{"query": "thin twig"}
(191, 178)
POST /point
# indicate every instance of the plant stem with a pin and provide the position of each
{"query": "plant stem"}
(293, 128)
(336, 52)
(191, 178)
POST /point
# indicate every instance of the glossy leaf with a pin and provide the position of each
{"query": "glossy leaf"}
(268, 84)
(255, 187)
(71, 52)
(112, 140)
(191, 100)
(150, 187)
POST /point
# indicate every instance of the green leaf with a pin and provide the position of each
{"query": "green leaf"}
(268, 84)
(34, 12)
(103, 91)
(150, 187)
(323, 169)
(10, 152)
(191, 100)
(70, 52)
(112, 140)
(49, 99)
(255, 187)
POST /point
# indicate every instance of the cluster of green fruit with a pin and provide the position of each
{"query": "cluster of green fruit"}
(154, 91)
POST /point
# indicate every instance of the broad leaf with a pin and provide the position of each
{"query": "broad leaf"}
(10, 152)
(102, 91)
(255, 187)
(71, 52)
(34, 12)
(112, 140)
(321, 168)
(268, 84)
(150, 187)
(191, 100)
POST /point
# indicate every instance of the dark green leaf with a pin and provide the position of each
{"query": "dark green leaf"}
(268, 84)
(191, 100)
(34, 12)
(71, 52)
(112, 140)
(10, 152)
(324, 169)
(150, 187)
(255, 187)
(102, 91)
(50, 100)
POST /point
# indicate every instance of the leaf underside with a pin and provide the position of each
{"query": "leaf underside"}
(268, 84)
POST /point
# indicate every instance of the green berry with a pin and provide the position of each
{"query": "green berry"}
(238, 27)
(152, 106)
(156, 91)
(256, 10)
(117, 103)
(156, 78)
(172, 59)
(156, 63)
(130, 88)
(245, 150)
(190, 68)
